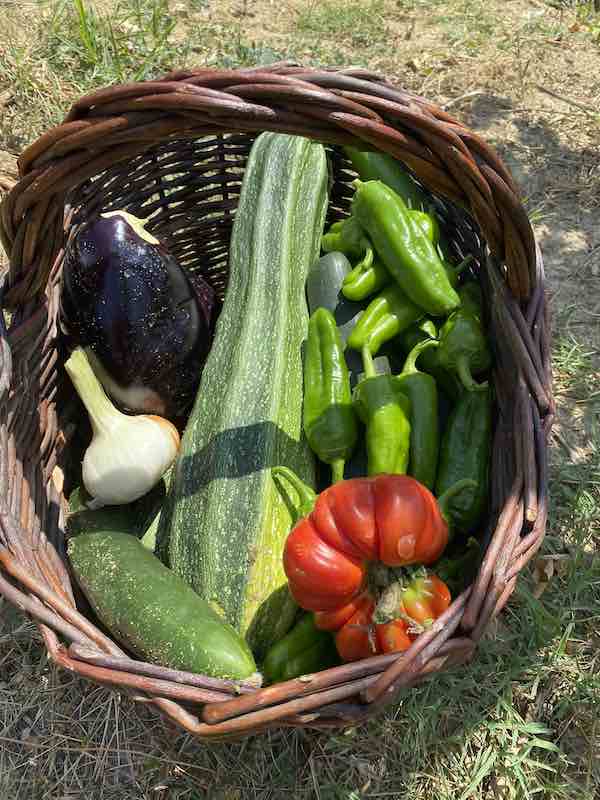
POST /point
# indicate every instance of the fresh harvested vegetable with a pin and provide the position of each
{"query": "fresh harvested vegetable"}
(428, 224)
(322, 655)
(408, 254)
(465, 453)
(421, 391)
(463, 344)
(134, 517)
(372, 166)
(428, 359)
(224, 523)
(358, 464)
(302, 650)
(392, 519)
(364, 280)
(305, 496)
(364, 628)
(324, 290)
(147, 323)
(387, 315)
(329, 420)
(128, 455)
(368, 277)
(385, 412)
(152, 611)
(348, 237)
(375, 166)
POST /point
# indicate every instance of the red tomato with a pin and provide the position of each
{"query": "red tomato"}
(423, 599)
(389, 518)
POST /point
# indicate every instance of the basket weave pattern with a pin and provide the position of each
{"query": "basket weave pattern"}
(174, 150)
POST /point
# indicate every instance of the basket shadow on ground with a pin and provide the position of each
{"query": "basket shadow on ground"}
(560, 185)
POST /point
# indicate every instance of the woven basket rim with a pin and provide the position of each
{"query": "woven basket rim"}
(350, 106)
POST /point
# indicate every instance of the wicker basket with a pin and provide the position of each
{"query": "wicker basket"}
(175, 149)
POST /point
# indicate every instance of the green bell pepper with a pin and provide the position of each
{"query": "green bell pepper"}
(329, 420)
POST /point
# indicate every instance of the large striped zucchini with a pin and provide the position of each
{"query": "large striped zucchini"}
(224, 523)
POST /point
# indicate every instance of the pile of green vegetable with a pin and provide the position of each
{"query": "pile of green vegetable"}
(200, 541)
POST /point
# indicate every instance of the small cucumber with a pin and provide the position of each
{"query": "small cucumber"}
(152, 611)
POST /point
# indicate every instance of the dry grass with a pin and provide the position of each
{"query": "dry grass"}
(523, 720)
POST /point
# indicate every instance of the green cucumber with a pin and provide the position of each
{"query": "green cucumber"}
(153, 612)
(224, 523)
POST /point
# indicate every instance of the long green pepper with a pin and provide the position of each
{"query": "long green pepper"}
(406, 251)
(387, 315)
(421, 390)
(376, 166)
(367, 278)
(348, 236)
(463, 344)
(422, 331)
(385, 412)
(305, 649)
(465, 453)
(328, 415)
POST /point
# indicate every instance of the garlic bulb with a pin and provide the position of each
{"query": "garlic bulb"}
(128, 455)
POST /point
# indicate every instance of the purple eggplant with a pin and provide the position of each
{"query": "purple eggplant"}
(147, 324)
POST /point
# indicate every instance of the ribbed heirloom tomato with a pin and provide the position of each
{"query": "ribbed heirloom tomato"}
(390, 520)
(359, 635)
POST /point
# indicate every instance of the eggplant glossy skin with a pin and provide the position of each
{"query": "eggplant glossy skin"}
(125, 297)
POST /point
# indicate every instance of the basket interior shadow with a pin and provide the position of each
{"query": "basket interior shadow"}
(189, 188)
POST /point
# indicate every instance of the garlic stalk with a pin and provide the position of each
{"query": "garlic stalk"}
(128, 455)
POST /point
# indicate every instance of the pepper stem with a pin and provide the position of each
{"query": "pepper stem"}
(367, 260)
(410, 365)
(306, 496)
(460, 268)
(368, 365)
(466, 378)
(455, 489)
(337, 470)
